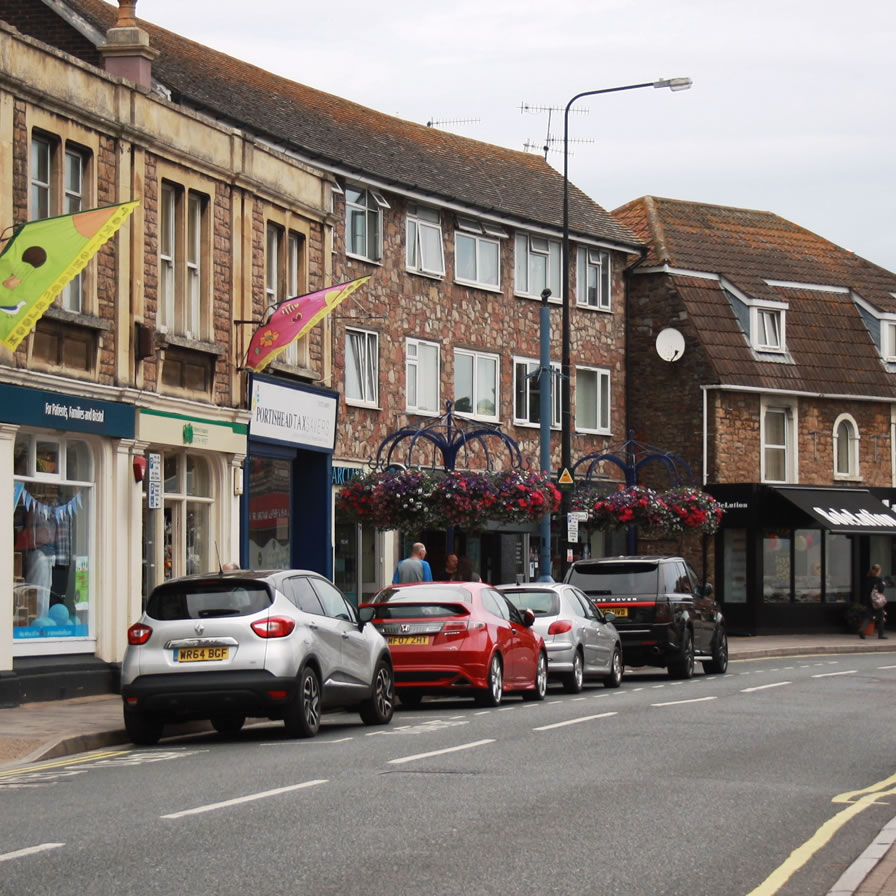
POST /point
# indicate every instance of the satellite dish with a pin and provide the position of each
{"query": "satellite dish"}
(670, 344)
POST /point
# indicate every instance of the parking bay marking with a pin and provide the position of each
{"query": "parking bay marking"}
(765, 687)
(416, 756)
(832, 674)
(602, 715)
(244, 799)
(29, 851)
(679, 702)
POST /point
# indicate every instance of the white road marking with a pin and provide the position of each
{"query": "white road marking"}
(304, 743)
(886, 667)
(416, 756)
(244, 799)
(832, 674)
(679, 702)
(29, 851)
(602, 715)
(765, 687)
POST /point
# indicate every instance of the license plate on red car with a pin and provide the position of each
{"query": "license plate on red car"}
(408, 640)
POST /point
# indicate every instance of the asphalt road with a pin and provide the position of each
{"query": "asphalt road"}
(770, 779)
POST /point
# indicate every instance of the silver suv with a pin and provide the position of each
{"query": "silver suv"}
(279, 645)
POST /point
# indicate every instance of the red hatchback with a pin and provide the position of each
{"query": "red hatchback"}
(461, 638)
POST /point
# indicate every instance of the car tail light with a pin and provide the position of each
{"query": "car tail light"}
(454, 628)
(139, 633)
(560, 626)
(273, 627)
(663, 612)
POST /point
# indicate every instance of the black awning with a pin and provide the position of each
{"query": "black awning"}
(844, 510)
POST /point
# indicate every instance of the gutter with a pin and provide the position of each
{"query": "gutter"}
(627, 275)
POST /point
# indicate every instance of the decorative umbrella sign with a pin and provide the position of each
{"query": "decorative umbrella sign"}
(42, 257)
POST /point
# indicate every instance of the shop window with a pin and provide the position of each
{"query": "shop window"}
(735, 566)
(52, 519)
(776, 566)
(270, 488)
(807, 583)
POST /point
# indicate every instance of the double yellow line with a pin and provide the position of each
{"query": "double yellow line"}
(61, 763)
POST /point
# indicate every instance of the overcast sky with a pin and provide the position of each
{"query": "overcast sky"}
(792, 108)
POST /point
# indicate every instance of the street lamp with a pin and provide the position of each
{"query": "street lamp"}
(566, 415)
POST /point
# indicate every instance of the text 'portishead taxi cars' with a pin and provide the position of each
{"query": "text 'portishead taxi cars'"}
(282, 644)
(461, 638)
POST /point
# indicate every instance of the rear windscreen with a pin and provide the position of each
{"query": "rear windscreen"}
(617, 578)
(420, 611)
(541, 603)
(424, 594)
(205, 600)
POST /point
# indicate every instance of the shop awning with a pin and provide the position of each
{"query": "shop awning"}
(844, 510)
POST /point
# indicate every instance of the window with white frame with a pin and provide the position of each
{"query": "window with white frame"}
(536, 265)
(361, 367)
(846, 448)
(592, 399)
(425, 253)
(59, 186)
(527, 392)
(593, 278)
(422, 376)
(888, 340)
(477, 252)
(767, 325)
(476, 384)
(777, 435)
(184, 269)
(284, 279)
(364, 223)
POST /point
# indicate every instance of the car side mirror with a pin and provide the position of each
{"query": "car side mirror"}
(366, 614)
(707, 590)
(528, 617)
(610, 616)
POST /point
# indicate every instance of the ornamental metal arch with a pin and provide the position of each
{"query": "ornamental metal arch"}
(449, 435)
(637, 455)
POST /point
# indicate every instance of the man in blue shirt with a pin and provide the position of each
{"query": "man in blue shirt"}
(414, 568)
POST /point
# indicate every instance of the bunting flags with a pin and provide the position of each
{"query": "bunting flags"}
(40, 259)
(292, 319)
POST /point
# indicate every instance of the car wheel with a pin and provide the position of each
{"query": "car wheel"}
(494, 693)
(614, 679)
(683, 665)
(143, 728)
(228, 723)
(541, 680)
(378, 708)
(302, 717)
(411, 698)
(718, 665)
(572, 683)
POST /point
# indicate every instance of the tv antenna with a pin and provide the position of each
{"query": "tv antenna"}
(549, 141)
(438, 123)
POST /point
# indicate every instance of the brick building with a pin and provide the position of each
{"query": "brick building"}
(784, 381)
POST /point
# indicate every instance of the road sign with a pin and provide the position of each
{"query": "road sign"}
(564, 480)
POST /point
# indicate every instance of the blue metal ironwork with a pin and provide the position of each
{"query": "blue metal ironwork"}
(637, 455)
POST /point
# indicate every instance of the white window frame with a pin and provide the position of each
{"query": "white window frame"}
(593, 265)
(425, 249)
(482, 383)
(184, 246)
(600, 410)
(283, 280)
(530, 252)
(532, 400)
(73, 185)
(422, 376)
(888, 340)
(363, 204)
(783, 449)
(767, 328)
(362, 354)
(481, 238)
(846, 456)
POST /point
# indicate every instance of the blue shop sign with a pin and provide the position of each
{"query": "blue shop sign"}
(344, 475)
(72, 413)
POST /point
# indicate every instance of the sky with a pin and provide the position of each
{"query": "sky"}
(792, 108)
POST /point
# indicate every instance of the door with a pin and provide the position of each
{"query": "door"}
(597, 643)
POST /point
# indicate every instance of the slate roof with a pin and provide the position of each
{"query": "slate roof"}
(336, 132)
(830, 348)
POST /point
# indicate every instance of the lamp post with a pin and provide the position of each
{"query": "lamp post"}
(566, 393)
(544, 425)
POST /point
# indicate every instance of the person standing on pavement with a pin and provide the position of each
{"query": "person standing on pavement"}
(450, 573)
(873, 582)
(413, 568)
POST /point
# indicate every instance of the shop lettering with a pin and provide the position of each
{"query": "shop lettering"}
(294, 422)
(74, 412)
(862, 518)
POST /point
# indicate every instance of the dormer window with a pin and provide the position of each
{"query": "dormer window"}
(767, 329)
(888, 340)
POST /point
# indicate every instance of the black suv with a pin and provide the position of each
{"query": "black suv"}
(665, 616)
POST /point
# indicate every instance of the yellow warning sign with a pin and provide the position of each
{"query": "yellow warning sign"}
(564, 480)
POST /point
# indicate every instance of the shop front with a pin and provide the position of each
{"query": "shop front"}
(791, 558)
(66, 460)
(288, 497)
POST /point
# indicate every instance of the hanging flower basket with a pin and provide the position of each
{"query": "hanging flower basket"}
(693, 509)
(675, 510)
(411, 500)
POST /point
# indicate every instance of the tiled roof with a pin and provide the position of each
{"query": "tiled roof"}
(340, 133)
(829, 348)
(749, 247)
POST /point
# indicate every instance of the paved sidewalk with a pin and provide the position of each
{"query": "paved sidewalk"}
(57, 728)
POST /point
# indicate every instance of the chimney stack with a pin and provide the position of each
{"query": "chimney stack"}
(127, 52)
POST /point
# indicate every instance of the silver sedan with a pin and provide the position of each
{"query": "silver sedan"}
(581, 642)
